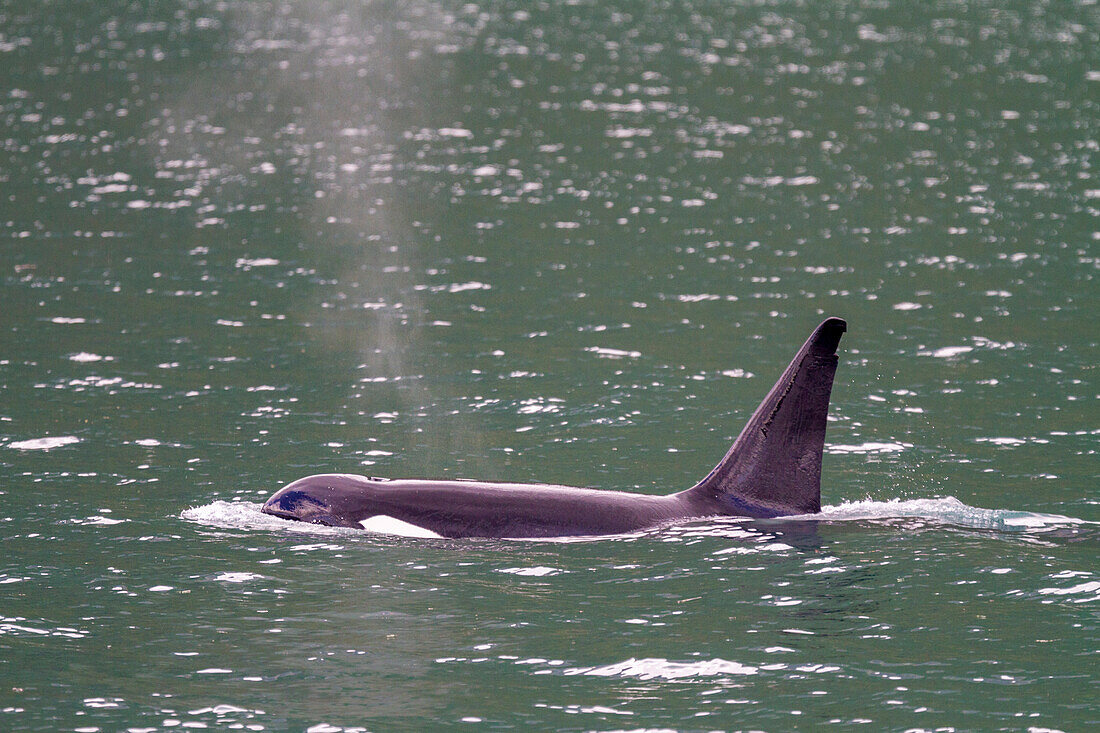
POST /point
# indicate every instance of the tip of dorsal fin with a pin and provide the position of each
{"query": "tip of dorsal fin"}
(774, 466)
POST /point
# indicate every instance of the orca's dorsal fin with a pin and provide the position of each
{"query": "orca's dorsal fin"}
(774, 466)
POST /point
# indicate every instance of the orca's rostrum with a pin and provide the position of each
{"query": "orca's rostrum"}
(772, 469)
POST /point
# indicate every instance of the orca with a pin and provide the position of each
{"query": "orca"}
(772, 469)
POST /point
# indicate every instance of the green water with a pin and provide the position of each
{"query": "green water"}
(572, 243)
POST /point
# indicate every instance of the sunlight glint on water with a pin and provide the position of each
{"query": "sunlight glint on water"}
(244, 242)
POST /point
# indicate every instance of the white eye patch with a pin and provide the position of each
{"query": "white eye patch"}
(383, 524)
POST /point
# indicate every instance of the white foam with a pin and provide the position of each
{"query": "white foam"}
(384, 524)
(244, 515)
(947, 510)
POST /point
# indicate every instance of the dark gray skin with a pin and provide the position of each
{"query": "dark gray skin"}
(772, 469)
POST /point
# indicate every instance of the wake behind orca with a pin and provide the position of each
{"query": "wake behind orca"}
(773, 469)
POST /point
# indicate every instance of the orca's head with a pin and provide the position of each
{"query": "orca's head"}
(321, 499)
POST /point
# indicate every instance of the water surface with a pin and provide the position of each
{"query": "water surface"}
(572, 243)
